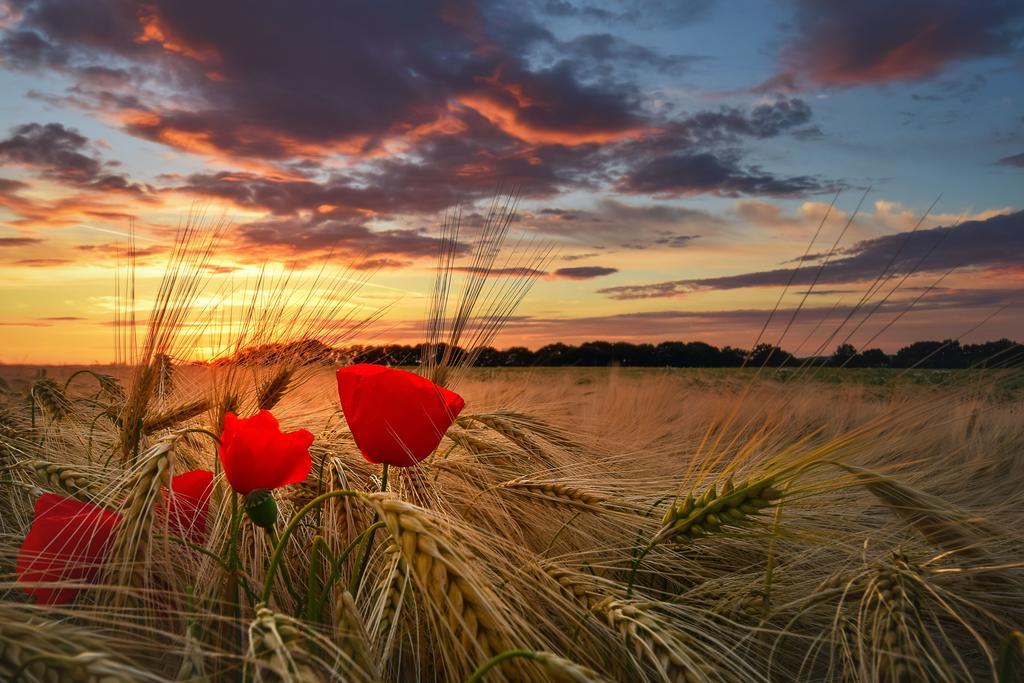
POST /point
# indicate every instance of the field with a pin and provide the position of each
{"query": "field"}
(576, 524)
(260, 518)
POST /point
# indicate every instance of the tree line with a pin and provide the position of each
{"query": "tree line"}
(947, 354)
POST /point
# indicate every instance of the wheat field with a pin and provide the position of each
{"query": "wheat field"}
(576, 525)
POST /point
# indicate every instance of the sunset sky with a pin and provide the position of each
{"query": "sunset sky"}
(678, 157)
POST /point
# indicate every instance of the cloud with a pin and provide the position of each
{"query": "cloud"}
(42, 262)
(479, 95)
(708, 173)
(19, 241)
(1013, 160)
(647, 13)
(519, 271)
(934, 316)
(59, 154)
(353, 239)
(584, 272)
(611, 224)
(248, 87)
(840, 43)
(995, 242)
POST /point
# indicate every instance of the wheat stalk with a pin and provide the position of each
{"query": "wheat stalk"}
(275, 650)
(270, 393)
(36, 650)
(556, 493)
(353, 638)
(696, 517)
(175, 416)
(462, 599)
(48, 394)
(67, 479)
(131, 551)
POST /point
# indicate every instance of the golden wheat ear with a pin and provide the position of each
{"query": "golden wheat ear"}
(939, 522)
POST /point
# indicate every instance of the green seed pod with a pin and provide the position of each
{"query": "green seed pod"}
(261, 508)
(727, 489)
(710, 495)
(770, 493)
(731, 515)
(687, 506)
(697, 531)
(712, 522)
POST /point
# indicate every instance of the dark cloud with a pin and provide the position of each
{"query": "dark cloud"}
(644, 12)
(615, 224)
(273, 81)
(61, 154)
(478, 95)
(347, 238)
(584, 272)
(604, 55)
(1013, 160)
(8, 186)
(519, 271)
(42, 262)
(841, 43)
(954, 307)
(996, 242)
(18, 241)
(708, 173)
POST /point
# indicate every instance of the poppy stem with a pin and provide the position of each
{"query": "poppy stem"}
(285, 574)
(365, 560)
(275, 560)
(336, 567)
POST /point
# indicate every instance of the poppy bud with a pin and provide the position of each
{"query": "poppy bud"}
(261, 508)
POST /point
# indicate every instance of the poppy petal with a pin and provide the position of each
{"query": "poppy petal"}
(67, 543)
(258, 455)
(189, 504)
(396, 417)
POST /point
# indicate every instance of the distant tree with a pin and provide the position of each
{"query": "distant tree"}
(555, 354)
(489, 357)
(518, 356)
(701, 355)
(843, 356)
(931, 355)
(874, 358)
(994, 354)
(677, 354)
(770, 356)
(596, 353)
(732, 357)
(671, 354)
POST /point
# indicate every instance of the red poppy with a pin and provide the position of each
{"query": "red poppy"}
(189, 503)
(68, 542)
(396, 417)
(256, 454)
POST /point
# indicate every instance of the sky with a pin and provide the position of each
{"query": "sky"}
(691, 166)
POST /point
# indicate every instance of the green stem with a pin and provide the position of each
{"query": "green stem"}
(478, 675)
(284, 571)
(315, 588)
(338, 564)
(275, 560)
(636, 566)
(357, 578)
